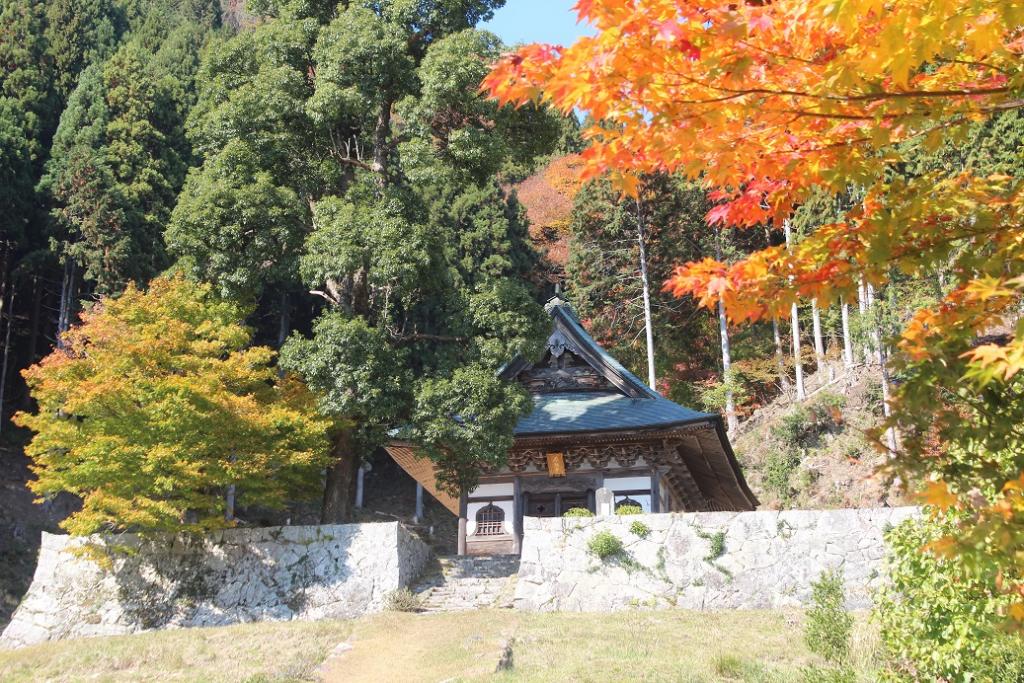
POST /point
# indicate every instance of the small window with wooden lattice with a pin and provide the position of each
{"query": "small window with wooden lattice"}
(489, 521)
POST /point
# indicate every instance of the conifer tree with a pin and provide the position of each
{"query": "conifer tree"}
(117, 162)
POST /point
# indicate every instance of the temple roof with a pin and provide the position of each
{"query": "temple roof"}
(560, 413)
(579, 387)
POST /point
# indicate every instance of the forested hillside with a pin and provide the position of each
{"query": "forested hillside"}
(335, 171)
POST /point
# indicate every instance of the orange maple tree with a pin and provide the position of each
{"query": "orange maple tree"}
(767, 103)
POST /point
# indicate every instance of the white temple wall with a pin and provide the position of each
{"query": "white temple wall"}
(768, 559)
(224, 577)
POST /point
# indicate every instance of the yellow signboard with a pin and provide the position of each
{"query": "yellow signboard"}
(556, 465)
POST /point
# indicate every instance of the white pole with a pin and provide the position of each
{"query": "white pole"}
(418, 517)
(800, 394)
(648, 321)
(359, 485)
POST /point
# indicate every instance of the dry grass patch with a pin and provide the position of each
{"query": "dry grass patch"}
(679, 646)
(283, 651)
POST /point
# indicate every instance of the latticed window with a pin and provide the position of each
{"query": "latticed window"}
(489, 521)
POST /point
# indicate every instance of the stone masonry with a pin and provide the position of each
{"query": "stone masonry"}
(766, 560)
(465, 583)
(87, 587)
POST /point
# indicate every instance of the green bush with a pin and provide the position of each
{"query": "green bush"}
(714, 396)
(578, 512)
(605, 544)
(940, 619)
(638, 528)
(402, 600)
(629, 510)
(778, 471)
(829, 625)
(802, 425)
(794, 427)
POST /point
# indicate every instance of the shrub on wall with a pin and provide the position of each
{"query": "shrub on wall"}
(629, 510)
(578, 512)
(605, 545)
(638, 528)
(941, 617)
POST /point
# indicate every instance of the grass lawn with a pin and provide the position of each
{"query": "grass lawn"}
(673, 646)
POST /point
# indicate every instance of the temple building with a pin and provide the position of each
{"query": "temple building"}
(598, 438)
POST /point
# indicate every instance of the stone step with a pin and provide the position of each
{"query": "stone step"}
(466, 583)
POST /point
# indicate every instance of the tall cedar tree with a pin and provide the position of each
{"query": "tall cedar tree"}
(345, 149)
(117, 162)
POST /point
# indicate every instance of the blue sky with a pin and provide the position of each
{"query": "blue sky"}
(537, 21)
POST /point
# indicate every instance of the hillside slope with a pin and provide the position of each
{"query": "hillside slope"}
(815, 454)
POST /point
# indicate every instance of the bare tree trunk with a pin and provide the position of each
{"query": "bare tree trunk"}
(876, 333)
(7, 353)
(780, 358)
(723, 328)
(67, 298)
(819, 342)
(730, 401)
(862, 307)
(337, 504)
(797, 361)
(800, 393)
(645, 283)
(847, 339)
(33, 330)
(284, 319)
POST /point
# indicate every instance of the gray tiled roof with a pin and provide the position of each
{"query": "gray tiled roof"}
(568, 411)
(591, 411)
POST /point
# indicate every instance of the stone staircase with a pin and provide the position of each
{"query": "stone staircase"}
(466, 583)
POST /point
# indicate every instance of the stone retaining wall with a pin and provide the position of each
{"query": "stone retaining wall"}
(237, 575)
(769, 559)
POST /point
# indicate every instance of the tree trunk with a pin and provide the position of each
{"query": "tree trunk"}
(33, 330)
(800, 393)
(381, 133)
(284, 319)
(730, 401)
(847, 339)
(723, 328)
(819, 342)
(876, 332)
(780, 358)
(644, 281)
(67, 297)
(340, 482)
(797, 361)
(7, 353)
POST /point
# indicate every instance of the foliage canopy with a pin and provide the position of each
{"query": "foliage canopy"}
(157, 404)
(772, 104)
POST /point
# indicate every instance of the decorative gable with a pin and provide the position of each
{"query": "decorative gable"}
(563, 369)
